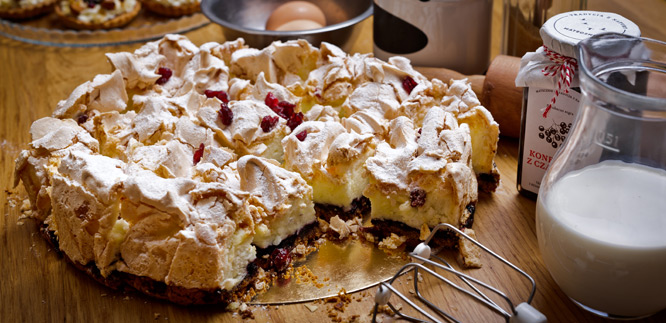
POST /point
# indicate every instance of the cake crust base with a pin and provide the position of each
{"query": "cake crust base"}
(359, 207)
(382, 229)
(489, 182)
(244, 291)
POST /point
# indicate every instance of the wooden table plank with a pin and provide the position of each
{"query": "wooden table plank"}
(39, 286)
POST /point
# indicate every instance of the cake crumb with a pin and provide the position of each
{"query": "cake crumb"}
(12, 198)
(340, 227)
(469, 254)
(312, 308)
(303, 274)
(260, 285)
(384, 309)
(233, 306)
(156, 316)
(355, 224)
(300, 249)
(25, 209)
(392, 242)
(245, 311)
(425, 232)
(323, 225)
(340, 302)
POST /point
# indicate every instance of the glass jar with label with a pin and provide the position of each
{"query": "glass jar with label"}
(551, 94)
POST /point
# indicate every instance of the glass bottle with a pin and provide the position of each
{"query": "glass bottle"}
(601, 219)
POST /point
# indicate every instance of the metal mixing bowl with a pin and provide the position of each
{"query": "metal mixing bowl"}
(247, 19)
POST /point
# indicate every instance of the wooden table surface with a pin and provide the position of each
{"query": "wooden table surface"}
(39, 286)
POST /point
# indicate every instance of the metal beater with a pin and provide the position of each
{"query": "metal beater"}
(422, 256)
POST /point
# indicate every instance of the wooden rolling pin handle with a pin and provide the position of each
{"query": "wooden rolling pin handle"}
(496, 90)
(501, 96)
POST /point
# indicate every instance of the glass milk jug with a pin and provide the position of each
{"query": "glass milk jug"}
(601, 209)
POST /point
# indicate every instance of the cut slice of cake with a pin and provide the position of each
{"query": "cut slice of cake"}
(331, 160)
(457, 98)
(422, 179)
(281, 201)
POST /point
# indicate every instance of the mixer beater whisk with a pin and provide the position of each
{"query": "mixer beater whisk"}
(424, 261)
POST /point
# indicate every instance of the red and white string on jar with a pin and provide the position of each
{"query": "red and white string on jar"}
(566, 67)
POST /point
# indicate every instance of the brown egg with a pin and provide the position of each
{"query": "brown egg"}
(296, 10)
(299, 24)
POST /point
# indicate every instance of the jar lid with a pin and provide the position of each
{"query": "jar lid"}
(562, 32)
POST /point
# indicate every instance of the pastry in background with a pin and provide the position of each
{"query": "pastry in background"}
(97, 14)
(172, 8)
(24, 9)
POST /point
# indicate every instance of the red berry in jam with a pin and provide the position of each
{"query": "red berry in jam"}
(302, 135)
(221, 95)
(165, 73)
(287, 109)
(268, 123)
(408, 84)
(198, 154)
(295, 120)
(282, 108)
(281, 258)
(417, 197)
(82, 118)
(271, 101)
(226, 115)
